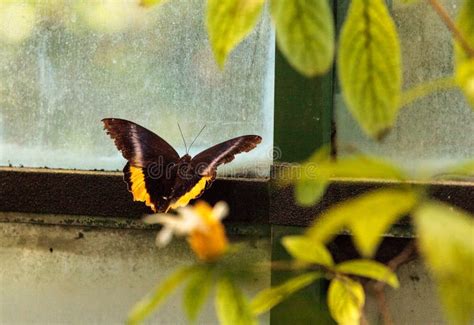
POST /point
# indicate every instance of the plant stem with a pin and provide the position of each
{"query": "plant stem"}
(421, 90)
(406, 255)
(449, 22)
(383, 307)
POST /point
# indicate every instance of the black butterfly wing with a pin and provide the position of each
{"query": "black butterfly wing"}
(150, 171)
(201, 172)
(137, 144)
(146, 186)
(206, 162)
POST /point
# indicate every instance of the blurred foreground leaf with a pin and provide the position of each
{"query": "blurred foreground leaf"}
(446, 241)
(465, 63)
(147, 305)
(305, 34)
(370, 66)
(369, 269)
(367, 216)
(460, 171)
(308, 191)
(465, 79)
(307, 250)
(150, 3)
(361, 166)
(465, 24)
(268, 298)
(345, 300)
(313, 176)
(311, 180)
(229, 22)
(231, 305)
(196, 291)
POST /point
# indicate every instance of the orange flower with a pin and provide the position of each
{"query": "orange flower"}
(201, 225)
(209, 242)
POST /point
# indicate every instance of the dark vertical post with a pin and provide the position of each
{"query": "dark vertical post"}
(303, 123)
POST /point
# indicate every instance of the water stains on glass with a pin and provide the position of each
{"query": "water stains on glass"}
(66, 65)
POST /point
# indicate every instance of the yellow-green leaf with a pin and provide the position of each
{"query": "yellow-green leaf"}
(370, 66)
(196, 292)
(231, 305)
(312, 177)
(305, 34)
(307, 250)
(462, 170)
(446, 241)
(268, 298)
(360, 166)
(465, 63)
(147, 305)
(465, 79)
(367, 216)
(308, 191)
(150, 3)
(345, 300)
(369, 269)
(466, 26)
(229, 22)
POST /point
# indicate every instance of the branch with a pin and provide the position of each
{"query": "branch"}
(406, 255)
(383, 307)
(424, 89)
(448, 21)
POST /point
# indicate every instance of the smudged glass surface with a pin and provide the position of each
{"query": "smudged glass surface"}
(433, 132)
(66, 65)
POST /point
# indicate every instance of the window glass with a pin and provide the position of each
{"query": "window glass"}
(65, 65)
(432, 132)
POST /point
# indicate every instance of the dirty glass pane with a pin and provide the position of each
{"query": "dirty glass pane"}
(434, 131)
(65, 65)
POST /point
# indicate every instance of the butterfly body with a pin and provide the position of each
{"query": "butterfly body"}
(158, 176)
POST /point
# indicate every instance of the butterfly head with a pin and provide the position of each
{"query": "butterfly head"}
(186, 158)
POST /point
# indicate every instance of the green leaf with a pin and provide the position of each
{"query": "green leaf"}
(447, 245)
(197, 291)
(361, 166)
(345, 300)
(307, 250)
(462, 170)
(369, 269)
(231, 305)
(465, 79)
(308, 191)
(464, 63)
(465, 24)
(370, 66)
(305, 34)
(367, 216)
(314, 175)
(150, 3)
(150, 303)
(311, 178)
(229, 22)
(268, 298)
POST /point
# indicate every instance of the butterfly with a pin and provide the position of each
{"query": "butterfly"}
(157, 175)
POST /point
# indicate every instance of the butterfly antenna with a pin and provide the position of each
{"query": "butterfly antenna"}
(182, 137)
(197, 136)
